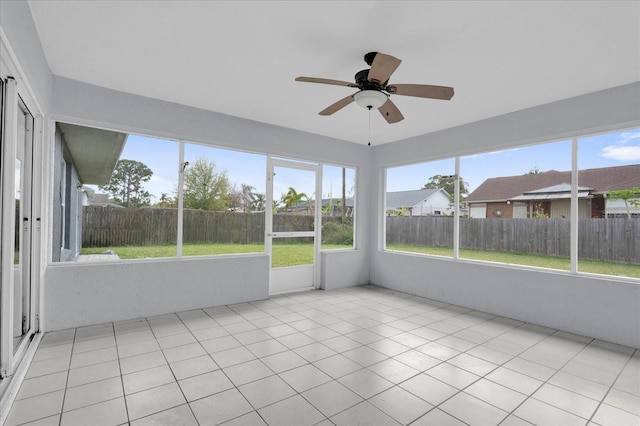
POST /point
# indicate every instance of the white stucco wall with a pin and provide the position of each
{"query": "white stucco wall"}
(85, 293)
(603, 308)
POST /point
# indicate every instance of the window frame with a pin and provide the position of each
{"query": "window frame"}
(574, 206)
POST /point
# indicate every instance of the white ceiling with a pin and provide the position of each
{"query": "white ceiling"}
(241, 57)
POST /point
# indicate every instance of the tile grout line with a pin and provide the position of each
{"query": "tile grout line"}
(530, 396)
(66, 382)
(601, 401)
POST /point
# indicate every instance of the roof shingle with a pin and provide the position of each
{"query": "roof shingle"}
(603, 179)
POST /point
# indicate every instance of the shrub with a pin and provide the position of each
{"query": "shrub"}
(337, 233)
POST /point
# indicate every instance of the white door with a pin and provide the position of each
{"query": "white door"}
(17, 318)
(292, 224)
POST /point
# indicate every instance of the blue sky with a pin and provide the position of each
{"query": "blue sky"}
(607, 150)
(161, 156)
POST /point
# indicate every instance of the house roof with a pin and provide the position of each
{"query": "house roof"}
(603, 179)
(399, 199)
(95, 152)
(555, 192)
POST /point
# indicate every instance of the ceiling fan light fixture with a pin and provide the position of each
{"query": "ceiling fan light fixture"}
(370, 98)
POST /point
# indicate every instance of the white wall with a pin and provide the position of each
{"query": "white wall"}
(18, 26)
(436, 202)
(603, 308)
(83, 294)
(600, 307)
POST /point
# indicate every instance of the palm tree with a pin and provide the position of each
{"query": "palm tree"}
(293, 197)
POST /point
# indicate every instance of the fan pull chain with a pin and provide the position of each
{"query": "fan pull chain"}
(369, 144)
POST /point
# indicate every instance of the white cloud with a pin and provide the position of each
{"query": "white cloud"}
(621, 152)
(628, 136)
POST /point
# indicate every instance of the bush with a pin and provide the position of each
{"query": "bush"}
(337, 233)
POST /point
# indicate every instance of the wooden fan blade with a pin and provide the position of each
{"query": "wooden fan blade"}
(421, 91)
(337, 106)
(326, 81)
(382, 67)
(390, 112)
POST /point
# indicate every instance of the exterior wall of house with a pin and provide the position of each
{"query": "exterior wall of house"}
(436, 204)
(478, 210)
(598, 208)
(519, 210)
(562, 209)
(57, 195)
(617, 208)
(499, 210)
(67, 204)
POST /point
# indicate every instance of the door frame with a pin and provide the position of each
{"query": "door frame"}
(273, 162)
(18, 91)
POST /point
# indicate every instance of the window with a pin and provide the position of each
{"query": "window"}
(131, 212)
(122, 201)
(516, 206)
(419, 207)
(519, 206)
(609, 203)
(224, 201)
(338, 207)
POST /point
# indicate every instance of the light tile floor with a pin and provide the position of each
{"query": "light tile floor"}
(363, 355)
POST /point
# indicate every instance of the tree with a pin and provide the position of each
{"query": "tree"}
(166, 202)
(293, 197)
(448, 183)
(241, 198)
(205, 188)
(534, 171)
(258, 202)
(125, 185)
(631, 197)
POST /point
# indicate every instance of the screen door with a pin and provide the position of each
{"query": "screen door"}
(292, 224)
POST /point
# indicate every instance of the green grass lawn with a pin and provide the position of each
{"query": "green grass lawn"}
(302, 254)
(553, 262)
(283, 254)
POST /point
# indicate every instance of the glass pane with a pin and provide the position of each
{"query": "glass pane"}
(519, 206)
(419, 208)
(294, 203)
(22, 195)
(224, 201)
(292, 251)
(609, 204)
(135, 214)
(338, 207)
(18, 219)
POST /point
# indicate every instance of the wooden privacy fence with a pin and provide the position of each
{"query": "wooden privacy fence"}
(613, 240)
(108, 226)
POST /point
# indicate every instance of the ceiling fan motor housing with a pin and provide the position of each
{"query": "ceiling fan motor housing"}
(362, 80)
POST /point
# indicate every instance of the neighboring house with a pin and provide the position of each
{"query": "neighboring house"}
(100, 200)
(330, 207)
(420, 202)
(548, 194)
(83, 155)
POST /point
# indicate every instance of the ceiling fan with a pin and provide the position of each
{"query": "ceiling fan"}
(374, 88)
